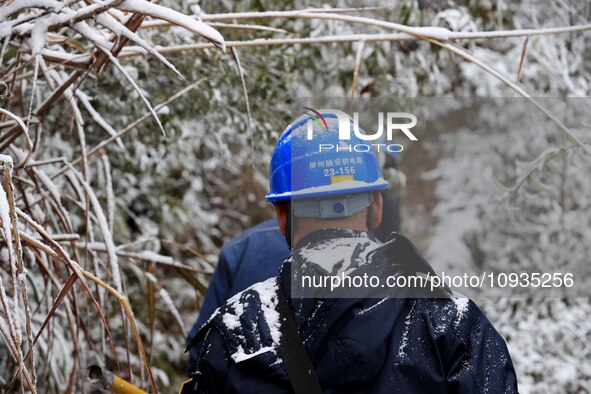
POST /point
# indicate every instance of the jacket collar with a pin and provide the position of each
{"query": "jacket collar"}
(327, 234)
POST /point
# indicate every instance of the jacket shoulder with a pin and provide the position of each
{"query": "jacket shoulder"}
(260, 244)
(266, 229)
(468, 344)
(249, 322)
(456, 316)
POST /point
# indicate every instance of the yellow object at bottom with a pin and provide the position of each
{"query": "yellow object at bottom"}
(121, 386)
(185, 389)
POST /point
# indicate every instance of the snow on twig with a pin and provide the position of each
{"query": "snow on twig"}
(18, 5)
(120, 30)
(7, 233)
(97, 117)
(174, 17)
(165, 296)
(109, 190)
(106, 232)
(245, 95)
(85, 30)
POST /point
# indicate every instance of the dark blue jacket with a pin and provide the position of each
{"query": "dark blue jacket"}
(357, 345)
(251, 257)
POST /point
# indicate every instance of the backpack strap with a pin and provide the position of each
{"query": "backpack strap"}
(292, 351)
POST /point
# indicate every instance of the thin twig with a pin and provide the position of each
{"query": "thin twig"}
(358, 59)
(395, 37)
(245, 95)
(523, 52)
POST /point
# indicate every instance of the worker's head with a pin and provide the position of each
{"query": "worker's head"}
(323, 178)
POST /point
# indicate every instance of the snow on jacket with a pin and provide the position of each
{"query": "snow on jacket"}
(357, 345)
(251, 257)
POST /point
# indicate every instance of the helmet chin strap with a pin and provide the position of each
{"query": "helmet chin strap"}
(288, 232)
(369, 220)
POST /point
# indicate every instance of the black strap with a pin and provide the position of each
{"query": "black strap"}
(369, 220)
(288, 229)
(300, 370)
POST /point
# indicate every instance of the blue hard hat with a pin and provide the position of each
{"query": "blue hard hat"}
(303, 164)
